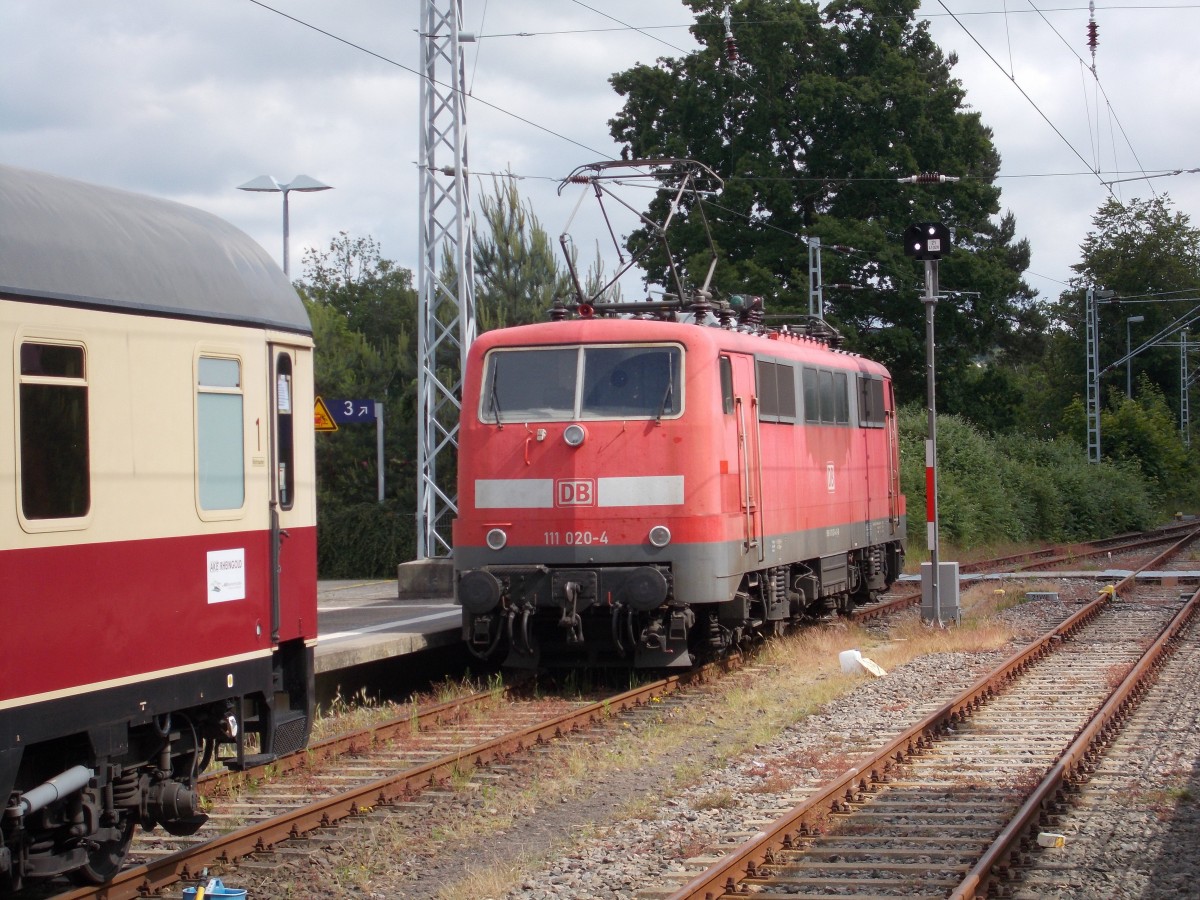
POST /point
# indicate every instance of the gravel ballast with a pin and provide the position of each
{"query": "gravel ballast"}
(625, 832)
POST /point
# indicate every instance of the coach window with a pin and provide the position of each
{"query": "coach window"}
(55, 475)
(284, 436)
(726, 365)
(219, 436)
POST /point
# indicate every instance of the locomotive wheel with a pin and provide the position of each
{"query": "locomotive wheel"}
(106, 860)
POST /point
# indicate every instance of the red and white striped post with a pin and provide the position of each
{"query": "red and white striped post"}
(928, 241)
(931, 509)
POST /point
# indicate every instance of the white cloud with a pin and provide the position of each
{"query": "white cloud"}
(189, 99)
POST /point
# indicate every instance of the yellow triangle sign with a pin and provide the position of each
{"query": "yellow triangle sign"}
(322, 420)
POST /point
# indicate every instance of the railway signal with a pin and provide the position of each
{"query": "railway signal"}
(929, 241)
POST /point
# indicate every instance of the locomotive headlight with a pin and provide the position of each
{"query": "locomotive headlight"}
(496, 538)
(574, 435)
(660, 535)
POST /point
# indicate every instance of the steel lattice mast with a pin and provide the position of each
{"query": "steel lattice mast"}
(446, 315)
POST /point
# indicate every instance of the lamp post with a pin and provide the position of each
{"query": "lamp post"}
(267, 184)
(1128, 357)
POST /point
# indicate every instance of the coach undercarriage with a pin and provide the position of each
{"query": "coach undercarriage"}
(534, 616)
(73, 802)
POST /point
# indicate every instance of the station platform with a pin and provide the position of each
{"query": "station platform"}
(365, 621)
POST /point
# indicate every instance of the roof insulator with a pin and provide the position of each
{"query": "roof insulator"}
(1093, 33)
(731, 49)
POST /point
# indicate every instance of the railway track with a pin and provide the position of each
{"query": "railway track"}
(953, 805)
(390, 764)
(346, 777)
(1124, 546)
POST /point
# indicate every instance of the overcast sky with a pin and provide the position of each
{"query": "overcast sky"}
(186, 99)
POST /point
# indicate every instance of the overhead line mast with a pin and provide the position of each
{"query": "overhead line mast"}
(446, 311)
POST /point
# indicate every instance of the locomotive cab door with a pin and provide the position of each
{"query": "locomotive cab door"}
(741, 405)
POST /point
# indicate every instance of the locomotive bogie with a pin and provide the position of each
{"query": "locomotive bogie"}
(157, 518)
(650, 490)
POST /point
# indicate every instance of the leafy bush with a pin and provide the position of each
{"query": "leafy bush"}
(364, 540)
(1016, 488)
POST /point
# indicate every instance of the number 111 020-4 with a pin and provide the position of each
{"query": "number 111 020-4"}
(573, 538)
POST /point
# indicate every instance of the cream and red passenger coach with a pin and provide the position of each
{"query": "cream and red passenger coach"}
(647, 490)
(157, 517)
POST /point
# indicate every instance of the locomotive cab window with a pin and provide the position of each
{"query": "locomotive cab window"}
(220, 460)
(54, 437)
(635, 381)
(726, 385)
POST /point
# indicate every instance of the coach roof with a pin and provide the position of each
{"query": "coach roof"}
(73, 243)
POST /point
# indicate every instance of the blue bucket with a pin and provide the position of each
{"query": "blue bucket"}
(215, 888)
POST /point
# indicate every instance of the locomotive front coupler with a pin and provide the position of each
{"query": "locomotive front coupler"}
(570, 615)
(573, 591)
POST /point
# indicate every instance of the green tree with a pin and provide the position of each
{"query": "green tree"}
(517, 275)
(810, 129)
(1144, 433)
(363, 313)
(1148, 254)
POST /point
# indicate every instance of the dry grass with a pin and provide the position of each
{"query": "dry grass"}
(483, 884)
(791, 679)
(361, 710)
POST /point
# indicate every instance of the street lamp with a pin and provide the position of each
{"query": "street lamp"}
(266, 183)
(1128, 355)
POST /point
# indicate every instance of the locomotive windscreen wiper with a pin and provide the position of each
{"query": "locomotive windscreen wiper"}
(493, 395)
(670, 391)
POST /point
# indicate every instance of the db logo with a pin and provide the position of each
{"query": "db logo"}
(575, 493)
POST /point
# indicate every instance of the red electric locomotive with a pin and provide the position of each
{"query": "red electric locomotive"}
(645, 490)
(157, 518)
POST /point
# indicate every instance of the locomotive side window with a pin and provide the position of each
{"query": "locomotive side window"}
(776, 391)
(219, 437)
(870, 402)
(726, 365)
(562, 383)
(768, 390)
(826, 397)
(826, 380)
(841, 399)
(55, 465)
(812, 396)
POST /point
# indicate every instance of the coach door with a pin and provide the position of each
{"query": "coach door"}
(286, 512)
(740, 371)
